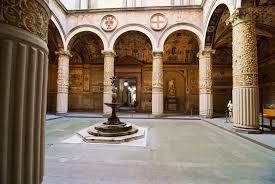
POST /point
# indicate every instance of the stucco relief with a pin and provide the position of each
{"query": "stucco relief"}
(28, 15)
(205, 71)
(63, 71)
(245, 65)
(108, 70)
(157, 73)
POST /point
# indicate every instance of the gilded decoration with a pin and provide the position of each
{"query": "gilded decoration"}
(205, 70)
(25, 14)
(157, 74)
(245, 64)
(108, 69)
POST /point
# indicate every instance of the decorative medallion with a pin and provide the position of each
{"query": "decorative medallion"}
(108, 23)
(158, 21)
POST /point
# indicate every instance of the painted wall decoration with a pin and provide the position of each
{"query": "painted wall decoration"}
(181, 48)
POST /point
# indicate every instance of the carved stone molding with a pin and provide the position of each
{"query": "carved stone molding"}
(62, 52)
(108, 53)
(25, 14)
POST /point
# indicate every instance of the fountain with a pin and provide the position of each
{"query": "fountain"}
(113, 127)
(112, 131)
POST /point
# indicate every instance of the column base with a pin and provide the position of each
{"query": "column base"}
(61, 113)
(247, 130)
(158, 115)
(206, 116)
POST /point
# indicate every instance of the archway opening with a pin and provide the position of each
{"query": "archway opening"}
(86, 73)
(180, 80)
(54, 44)
(133, 64)
(219, 37)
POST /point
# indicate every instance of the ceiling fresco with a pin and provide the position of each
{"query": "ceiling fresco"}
(86, 49)
(133, 48)
(181, 48)
(54, 42)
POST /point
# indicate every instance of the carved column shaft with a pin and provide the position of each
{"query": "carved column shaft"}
(23, 94)
(205, 82)
(109, 69)
(62, 81)
(245, 71)
(157, 84)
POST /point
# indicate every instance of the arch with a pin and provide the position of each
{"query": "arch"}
(86, 28)
(133, 27)
(177, 27)
(59, 28)
(228, 3)
(216, 13)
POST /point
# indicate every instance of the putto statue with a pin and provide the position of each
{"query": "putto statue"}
(171, 88)
(230, 109)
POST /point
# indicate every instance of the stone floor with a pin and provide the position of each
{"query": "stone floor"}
(177, 151)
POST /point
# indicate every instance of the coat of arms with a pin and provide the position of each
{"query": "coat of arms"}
(108, 23)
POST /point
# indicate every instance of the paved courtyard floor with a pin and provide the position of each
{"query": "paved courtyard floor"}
(177, 152)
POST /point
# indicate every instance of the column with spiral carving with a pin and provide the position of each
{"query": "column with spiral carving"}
(157, 84)
(245, 71)
(23, 94)
(109, 61)
(62, 81)
(205, 82)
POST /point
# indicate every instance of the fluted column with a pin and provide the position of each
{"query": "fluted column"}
(62, 81)
(157, 84)
(205, 82)
(109, 59)
(245, 71)
(23, 94)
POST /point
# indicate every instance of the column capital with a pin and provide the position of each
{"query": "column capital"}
(242, 15)
(62, 52)
(32, 16)
(206, 52)
(110, 53)
(157, 54)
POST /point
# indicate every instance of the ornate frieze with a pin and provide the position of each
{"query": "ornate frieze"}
(25, 14)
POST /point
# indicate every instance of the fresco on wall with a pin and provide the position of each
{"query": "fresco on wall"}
(181, 48)
(134, 45)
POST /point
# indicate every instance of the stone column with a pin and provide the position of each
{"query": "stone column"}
(62, 81)
(245, 71)
(157, 84)
(109, 61)
(205, 83)
(23, 94)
